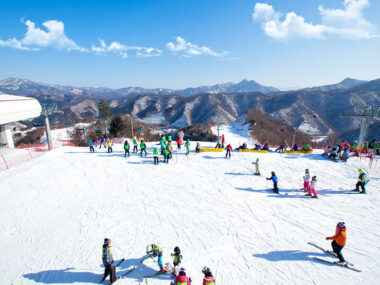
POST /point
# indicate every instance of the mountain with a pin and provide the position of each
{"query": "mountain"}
(315, 111)
(347, 83)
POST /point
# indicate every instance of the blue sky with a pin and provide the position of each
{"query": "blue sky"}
(184, 43)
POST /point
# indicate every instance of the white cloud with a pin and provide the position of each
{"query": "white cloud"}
(189, 49)
(36, 38)
(348, 22)
(122, 50)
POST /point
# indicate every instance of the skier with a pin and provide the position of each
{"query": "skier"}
(163, 145)
(170, 138)
(198, 148)
(109, 144)
(91, 145)
(134, 145)
(306, 180)
(177, 258)
(108, 263)
(311, 188)
(166, 156)
(208, 279)
(361, 181)
(102, 143)
(169, 148)
(228, 150)
(126, 148)
(339, 241)
(143, 148)
(182, 279)
(257, 166)
(187, 145)
(275, 181)
(155, 155)
(179, 143)
(155, 251)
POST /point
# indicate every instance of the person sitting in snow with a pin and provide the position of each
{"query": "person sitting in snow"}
(311, 188)
(282, 148)
(257, 147)
(295, 147)
(306, 147)
(208, 279)
(345, 154)
(257, 166)
(339, 241)
(266, 147)
(155, 251)
(275, 181)
(333, 153)
(219, 143)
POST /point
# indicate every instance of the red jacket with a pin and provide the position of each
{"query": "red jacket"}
(229, 147)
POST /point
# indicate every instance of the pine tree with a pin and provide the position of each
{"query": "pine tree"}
(104, 109)
(116, 125)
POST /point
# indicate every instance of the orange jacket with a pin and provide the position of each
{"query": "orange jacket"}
(340, 236)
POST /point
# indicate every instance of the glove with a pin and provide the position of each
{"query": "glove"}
(327, 238)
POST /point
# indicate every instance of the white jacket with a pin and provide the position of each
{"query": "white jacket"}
(306, 178)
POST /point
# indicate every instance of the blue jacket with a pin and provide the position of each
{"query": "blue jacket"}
(90, 143)
(275, 179)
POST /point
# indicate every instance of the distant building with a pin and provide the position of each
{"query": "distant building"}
(13, 109)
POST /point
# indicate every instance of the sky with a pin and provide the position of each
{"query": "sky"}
(188, 43)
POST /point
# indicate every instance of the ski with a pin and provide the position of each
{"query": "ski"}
(327, 251)
(156, 274)
(124, 274)
(120, 262)
(348, 266)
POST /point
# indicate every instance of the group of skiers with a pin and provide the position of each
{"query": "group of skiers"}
(154, 251)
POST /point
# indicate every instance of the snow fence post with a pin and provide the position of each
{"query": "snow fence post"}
(5, 161)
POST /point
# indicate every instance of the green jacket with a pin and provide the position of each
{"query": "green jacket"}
(134, 141)
(155, 151)
(142, 145)
(177, 258)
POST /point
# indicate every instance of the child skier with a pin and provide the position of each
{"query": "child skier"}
(208, 279)
(198, 148)
(169, 148)
(275, 181)
(228, 150)
(155, 155)
(108, 262)
(143, 148)
(126, 148)
(306, 180)
(361, 181)
(166, 156)
(134, 145)
(177, 258)
(109, 144)
(155, 251)
(187, 145)
(182, 279)
(257, 166)
(339, 241)
(91, 145)
(311, 188)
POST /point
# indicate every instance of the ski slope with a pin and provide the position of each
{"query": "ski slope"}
(56, 210)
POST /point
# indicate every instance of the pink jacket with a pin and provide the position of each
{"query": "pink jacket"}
(180, 279)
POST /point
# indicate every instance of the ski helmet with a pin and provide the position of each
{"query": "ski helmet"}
(205, 269)
(107, 241)
(182, 271)
(177, 250)
(307, 170)
(341, 225)
(273, 173)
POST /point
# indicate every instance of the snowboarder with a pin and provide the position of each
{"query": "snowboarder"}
(134, 145)
(109, 144)
(306, 180)
(91, 145)
(311, 188)
(228, 150)
(339, 241)
(275, 181)
(187, 145)
(177, 258)
(182, 279)
(108, 262)
(126, 148)
(155, 155)
(361, 181)
(156, 251)
(143, 148)
(208, 279)
(198, 148)
(257, 166)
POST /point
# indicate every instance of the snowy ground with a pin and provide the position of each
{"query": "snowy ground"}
(56, 210)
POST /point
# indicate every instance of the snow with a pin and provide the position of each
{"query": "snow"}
(56, 210)
(155, 118)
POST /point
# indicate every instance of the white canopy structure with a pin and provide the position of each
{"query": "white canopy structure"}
(13, 109)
